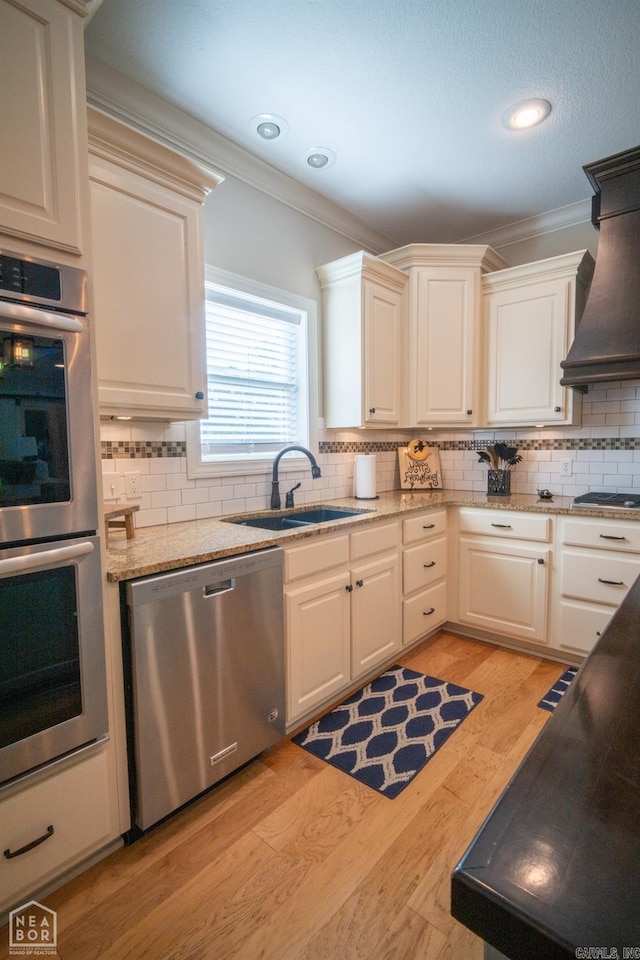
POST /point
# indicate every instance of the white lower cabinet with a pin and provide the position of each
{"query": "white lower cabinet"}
(342, 613)
(424, 569)
(68, 809)
(599, 561)
(503, 580)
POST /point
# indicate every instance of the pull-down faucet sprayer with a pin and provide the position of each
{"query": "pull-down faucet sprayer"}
(275, 486)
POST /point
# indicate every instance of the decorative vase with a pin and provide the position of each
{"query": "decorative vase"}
(499, 483)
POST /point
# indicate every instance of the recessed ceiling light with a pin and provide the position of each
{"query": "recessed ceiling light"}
(526, 114)
(269, 126)
(320, 157)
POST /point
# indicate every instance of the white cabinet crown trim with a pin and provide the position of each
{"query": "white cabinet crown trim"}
(115, 141)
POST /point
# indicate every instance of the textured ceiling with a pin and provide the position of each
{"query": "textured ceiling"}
(409, 94)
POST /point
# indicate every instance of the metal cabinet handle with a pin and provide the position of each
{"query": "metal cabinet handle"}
(541, 560)
(349, 588)
(557, 409)
(359, 583)
(427, 613)
(372, 409)
(428, 565)
(614, 583)
(504, 526)
(609, 536)
(428, 526)
(469, 412)
(10, 854)
(199, 395)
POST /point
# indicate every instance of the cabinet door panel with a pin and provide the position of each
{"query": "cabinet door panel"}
(581, 625)
(375, 613)
(75, 802)
(528, 323)
(503, 588)
(42, 82)
(424, 564)
(318, 632)
(383, 339)
(599, 576)
(149, 299)
(446, 305)
(424, 612)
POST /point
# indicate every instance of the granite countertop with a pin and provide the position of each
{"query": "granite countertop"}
(554, 870)
(169, 546)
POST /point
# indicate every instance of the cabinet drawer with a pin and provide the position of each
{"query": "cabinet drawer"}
(312, 557)
(424, 612)
(425, 527)
(599, 577)
(375, 539)
(424, 564)
(503, 523)
(75, 803)
(603, 534)
(581, 625)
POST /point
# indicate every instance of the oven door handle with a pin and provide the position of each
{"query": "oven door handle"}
(33, 561)
(21, 312)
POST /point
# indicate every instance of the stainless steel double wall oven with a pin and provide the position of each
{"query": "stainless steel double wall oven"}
(52, 667)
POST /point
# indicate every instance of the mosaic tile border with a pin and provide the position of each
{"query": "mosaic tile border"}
(583, 443)
(154, 449)
(142, 449)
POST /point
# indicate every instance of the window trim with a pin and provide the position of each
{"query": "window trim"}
(229, 465)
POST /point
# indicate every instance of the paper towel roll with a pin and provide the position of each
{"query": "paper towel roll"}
(365, 477)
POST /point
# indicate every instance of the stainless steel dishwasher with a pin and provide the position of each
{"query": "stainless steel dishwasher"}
(204, 661)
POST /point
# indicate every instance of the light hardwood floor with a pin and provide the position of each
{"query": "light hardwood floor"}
(292, 860)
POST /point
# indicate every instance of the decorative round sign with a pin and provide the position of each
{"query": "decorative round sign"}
(418, 449)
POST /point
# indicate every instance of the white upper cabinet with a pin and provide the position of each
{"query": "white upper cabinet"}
(531, 313)
(43, 153)
(443, 342)
(146, 205)
(363, 319)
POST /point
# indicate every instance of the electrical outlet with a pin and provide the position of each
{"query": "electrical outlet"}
(566, 468)
(132, 484)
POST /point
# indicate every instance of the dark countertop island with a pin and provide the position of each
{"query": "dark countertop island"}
(555, 870)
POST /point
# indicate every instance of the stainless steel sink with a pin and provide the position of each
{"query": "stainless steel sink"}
(297, 518)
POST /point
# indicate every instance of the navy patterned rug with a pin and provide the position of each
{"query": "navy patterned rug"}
(385, 733)
(551, 699)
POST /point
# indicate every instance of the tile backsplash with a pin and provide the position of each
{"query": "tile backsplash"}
(603, 453)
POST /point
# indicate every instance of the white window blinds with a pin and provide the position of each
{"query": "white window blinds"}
(253, 364)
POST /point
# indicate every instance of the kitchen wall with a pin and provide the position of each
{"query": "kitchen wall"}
(604, 453)
(263, 226)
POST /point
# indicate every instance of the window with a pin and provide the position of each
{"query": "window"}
(260, 387)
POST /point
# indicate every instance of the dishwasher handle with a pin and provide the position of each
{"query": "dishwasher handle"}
(216, 589)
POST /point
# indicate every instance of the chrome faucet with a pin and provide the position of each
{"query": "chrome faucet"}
(275, 486)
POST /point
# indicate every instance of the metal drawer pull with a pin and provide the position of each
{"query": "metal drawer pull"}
(505, 526)
(429, 526)
(541, 560)
(30, 846)
(427, 613)
(359, 583)
(427, 565)
(349, 588)
(608, 536)
(614, 583)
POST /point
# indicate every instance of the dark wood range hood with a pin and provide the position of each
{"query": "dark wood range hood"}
(607, 340)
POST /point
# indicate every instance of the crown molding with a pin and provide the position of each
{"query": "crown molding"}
(128, 101)
(559, 219)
